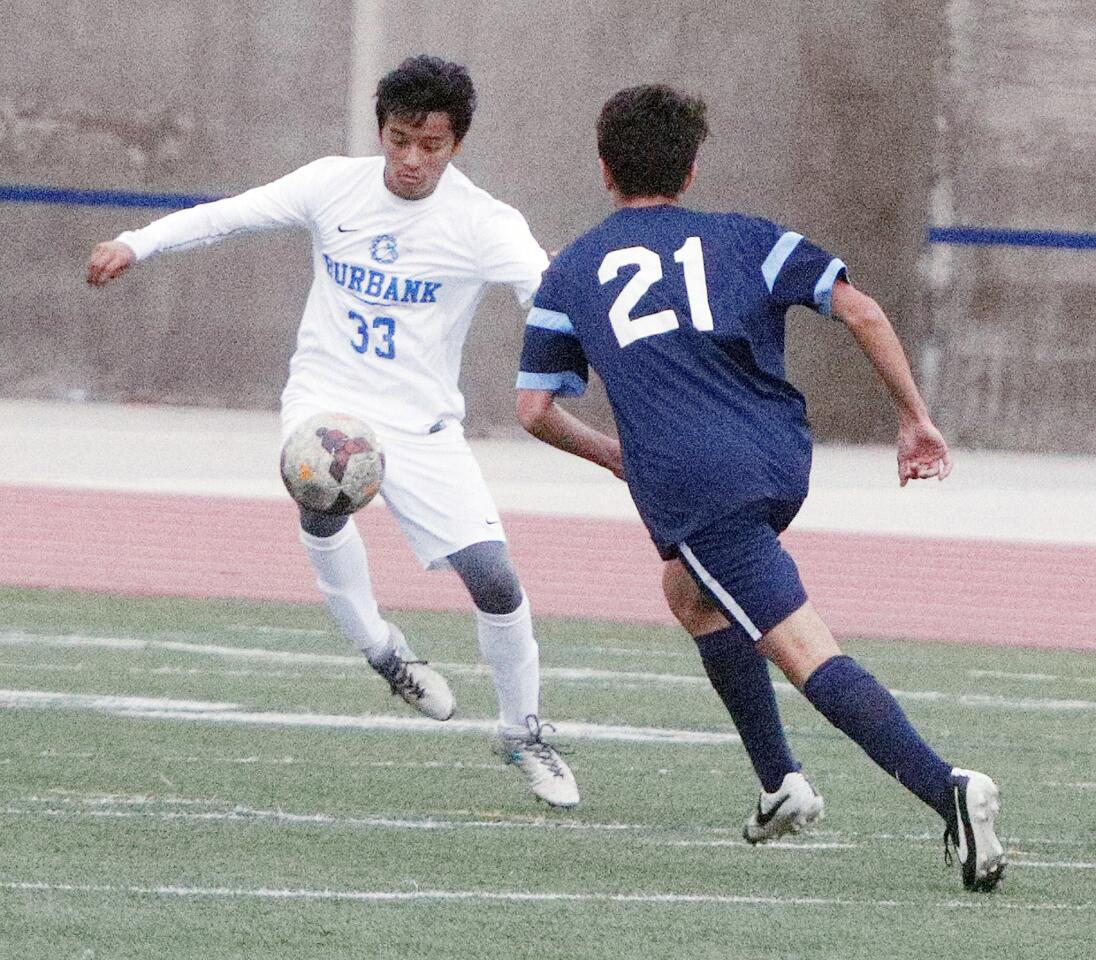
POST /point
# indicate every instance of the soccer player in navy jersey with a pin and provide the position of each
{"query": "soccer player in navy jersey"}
(681, 313)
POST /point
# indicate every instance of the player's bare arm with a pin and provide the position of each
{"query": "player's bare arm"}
(541, 416)
(922, 450)
(108, 260)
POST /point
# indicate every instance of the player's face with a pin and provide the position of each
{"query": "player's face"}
(416, 154)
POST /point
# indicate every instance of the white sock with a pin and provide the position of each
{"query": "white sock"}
(342, 570)
(507, 644)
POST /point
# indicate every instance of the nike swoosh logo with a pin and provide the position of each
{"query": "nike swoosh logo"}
(491, 522)
(343, 229)
(764, 818)
(962, 831)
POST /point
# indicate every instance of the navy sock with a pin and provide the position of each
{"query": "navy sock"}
(740, 675)
(860, 706)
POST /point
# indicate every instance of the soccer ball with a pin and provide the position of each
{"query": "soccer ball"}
(333, 464)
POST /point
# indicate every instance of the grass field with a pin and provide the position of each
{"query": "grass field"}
(183, 779)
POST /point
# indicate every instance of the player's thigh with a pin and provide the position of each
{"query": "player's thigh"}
(740, 564)
(693, 608)
(435, 489)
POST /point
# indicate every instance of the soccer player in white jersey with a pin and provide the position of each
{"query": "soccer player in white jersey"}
(682, 314)
(403, 246)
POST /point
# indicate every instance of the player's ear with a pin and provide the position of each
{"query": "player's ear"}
(606, 175)
(689, 177)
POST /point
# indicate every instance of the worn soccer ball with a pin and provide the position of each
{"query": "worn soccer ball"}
(332, 463)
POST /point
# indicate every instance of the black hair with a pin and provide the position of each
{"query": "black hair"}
(425, 84)
(648, 137)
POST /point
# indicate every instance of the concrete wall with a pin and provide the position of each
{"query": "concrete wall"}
(843, 118)
(1012, 342)
(819, 120)
(200, 97)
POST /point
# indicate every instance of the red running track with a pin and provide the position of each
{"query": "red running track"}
(864, 585)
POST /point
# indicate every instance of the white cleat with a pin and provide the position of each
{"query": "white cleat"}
(549, 777)
(791, 809)
(977, 801)
(417, 684)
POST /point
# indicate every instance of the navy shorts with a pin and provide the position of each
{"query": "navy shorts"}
(739, 563)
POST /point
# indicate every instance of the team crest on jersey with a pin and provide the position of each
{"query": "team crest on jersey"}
(384, 249)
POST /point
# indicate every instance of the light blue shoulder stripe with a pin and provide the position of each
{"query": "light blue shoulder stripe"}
(566, 383)
(823, 290)
(780, 252)
(550, 320)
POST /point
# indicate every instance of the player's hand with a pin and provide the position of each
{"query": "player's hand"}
(922, 452)
(109, 260)
(614, 462)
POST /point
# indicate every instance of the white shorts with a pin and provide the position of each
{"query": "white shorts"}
(432, 485)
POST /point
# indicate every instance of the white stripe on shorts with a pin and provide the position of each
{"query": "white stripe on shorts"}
(720, 593)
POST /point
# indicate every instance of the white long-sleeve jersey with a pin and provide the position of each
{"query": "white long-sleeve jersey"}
(396, 283)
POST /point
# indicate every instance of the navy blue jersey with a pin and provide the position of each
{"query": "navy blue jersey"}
(681, 314)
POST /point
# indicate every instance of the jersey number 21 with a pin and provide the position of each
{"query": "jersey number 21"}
(627, 328)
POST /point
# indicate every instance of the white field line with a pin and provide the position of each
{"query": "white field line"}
(19, 699)
(275, 631)
(1032, 677)
(1078, 785)
(15, 666)
(250, 816)
(255, 760)
(1026, 704)
(213, 712)
(527, 896)
(1010, 841)
(78, 798)
(607, 678)
(77, 641)
(248, 628)
(844, 841)
(64, 804)
(849, 845)
(675, 654)
(241, 673)
(341, 660)
(772, 845)
(572, 674)
(284, 761)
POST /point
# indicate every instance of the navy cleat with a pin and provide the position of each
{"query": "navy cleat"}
(977, 801)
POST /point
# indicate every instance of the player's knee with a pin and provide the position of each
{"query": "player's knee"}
(321, 524)
(497, 595)
(799, 644)
(489, 576)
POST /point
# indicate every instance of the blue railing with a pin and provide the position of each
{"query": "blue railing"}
(99, 198)
(999, 237)
(961, 236)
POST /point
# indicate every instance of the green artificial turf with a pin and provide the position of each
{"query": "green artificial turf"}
(127, 833)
